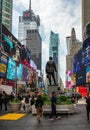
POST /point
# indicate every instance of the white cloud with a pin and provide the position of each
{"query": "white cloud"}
(56, 15)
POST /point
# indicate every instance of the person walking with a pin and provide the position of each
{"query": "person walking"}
(53, 107)
(50, 70)
(38, 106)
(88, 105)
(0, 101)
(5, 99)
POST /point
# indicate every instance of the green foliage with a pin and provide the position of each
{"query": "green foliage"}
(59, 102)
(62, 98)
(44, 98)
(48, 102)
(16, 100)
(68, 101)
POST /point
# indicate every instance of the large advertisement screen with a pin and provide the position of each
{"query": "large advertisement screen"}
(81, 64)
(3, 65)
(25, 74)
(19, 71)
(26, 15)
(11, 70)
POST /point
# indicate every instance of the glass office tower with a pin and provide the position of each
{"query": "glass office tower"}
(7, 13)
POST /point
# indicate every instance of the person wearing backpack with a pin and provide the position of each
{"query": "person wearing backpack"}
(88, 105)
(50, 70)
(38, 106)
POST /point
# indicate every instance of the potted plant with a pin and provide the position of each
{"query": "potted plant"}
(15, 104)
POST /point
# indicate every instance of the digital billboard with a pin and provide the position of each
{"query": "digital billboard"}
(11, 70)
(77, 61)
(19, 71)
(26, 15)
(81, 77)
(25, 73)
(88, 74)
(68, 79)
(3, 65)
(81, 64)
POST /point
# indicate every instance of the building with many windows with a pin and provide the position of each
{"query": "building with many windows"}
(28, 34)
(85, 13)
(7, 13)
(73, 46)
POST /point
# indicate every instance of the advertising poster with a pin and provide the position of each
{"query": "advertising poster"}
(25, 74)
(19, 71)
(68, 79)
(81, 77)
(11, 70)
(88, 74)
(3, 65)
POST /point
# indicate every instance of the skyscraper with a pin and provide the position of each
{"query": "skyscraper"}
(53, 50)
(53, 46)
(7, 13)
(72, 47)
(29, 34)
(85, 13)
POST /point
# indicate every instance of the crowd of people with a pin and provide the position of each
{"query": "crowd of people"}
(38, 102)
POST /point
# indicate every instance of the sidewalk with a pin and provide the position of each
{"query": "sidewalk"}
(77, 121)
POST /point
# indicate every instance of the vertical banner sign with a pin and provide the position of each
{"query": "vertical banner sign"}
(0, 21)
(3, 65)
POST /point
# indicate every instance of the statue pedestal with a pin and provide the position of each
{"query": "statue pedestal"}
(51, 89)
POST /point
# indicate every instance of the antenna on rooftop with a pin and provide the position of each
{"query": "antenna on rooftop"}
(30, 5)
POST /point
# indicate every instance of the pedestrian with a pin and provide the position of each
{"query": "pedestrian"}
(5, 99)
(50, 70)
(11, 96)
(53, 107)
(88, 105)
(38, 106)
(0, 101)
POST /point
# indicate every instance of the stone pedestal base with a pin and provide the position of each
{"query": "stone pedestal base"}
(51, 89)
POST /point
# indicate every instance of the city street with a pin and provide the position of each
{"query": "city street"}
(77, 121)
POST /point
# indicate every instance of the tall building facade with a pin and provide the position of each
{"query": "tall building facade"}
(72, 47)
(7, 6)
(68, 44)
(53, 50)
(53, 46)
(85, 14)
(28, 34)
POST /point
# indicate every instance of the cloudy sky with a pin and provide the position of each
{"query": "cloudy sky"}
(56, 15)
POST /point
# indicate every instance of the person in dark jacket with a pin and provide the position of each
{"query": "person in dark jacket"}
(5, 99)
(50, 70)
(0, 101)
(88, 105)
(53, 107)
(38, 106)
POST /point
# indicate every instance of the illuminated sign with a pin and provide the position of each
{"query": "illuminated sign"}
(3, 65)
(26, 15)
(11, 70)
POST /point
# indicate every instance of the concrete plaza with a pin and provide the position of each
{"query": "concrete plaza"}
(76, 121)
